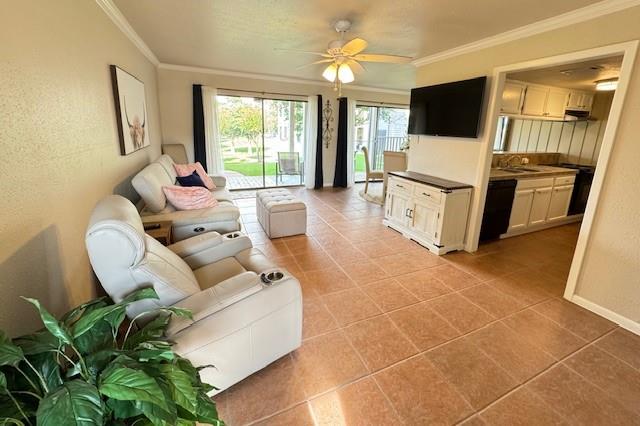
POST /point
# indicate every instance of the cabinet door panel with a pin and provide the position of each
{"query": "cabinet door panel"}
(540, 206)
(556, 103)
(512, 97)
(535, 100)
(520, 210)
(560, 199)
(396, 208)
(425, 219)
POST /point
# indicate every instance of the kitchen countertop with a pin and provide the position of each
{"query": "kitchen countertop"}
(541, 171)
(447, 185)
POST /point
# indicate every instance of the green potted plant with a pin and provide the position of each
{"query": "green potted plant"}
(89, 368)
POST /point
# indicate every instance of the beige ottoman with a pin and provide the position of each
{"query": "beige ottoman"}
(280, 213)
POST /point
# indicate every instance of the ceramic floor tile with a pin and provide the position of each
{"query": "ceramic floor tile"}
(479, 379)
(577, 400)
(389, 295)
(513, 285)
(313, 260)
(492, 300)
(462, 314)
(423, 326)
(521, 408)
(360, 403)
(423, 284)
(453, 277)
(622, 344)
(578, 320)
(300, 415)
(316, 318)
(246, 401)
(379, 342)
(513, 353)
(364, 272)
(544, 333)
(421, 395)
(328, 281)
(613, 376)
(326, 362)
(350, 306)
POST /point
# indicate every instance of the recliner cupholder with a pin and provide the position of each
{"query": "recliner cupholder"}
(232, 235)
(269, 278)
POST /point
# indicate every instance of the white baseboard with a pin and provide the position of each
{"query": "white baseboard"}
(623, 322)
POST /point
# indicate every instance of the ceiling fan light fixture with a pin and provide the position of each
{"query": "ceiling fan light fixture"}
(345, 75)
(607, 85)
(330, 73)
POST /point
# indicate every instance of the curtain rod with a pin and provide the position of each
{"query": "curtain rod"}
(261, 93)
(360, 101)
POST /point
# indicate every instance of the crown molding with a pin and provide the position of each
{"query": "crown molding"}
(569, 18)
(121, 22)
(270, 77)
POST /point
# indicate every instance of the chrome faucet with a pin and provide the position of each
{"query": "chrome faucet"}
(509, 159)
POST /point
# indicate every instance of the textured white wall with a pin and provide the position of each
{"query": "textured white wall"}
(59, 147)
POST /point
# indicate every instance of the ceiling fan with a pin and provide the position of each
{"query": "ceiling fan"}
(344, 57)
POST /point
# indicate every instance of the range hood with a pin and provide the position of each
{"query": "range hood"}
(577, 115)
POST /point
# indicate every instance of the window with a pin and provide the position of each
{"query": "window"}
(379, 129)
(262, 141)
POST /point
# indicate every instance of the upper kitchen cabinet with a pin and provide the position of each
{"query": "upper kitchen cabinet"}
(580, 100)
(556, 102)
(512, 97)
(535, 100)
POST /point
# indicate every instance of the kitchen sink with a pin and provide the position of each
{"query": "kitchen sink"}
(518, 169)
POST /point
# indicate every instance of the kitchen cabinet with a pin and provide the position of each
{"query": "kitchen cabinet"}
(512, 97)
(535, 100)
(556, 102)
(521, 209)
(579, 100)
(540, 205)
(435, 217)
(559, 204)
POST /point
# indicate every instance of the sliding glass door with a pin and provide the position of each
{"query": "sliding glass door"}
(378, 129)
(262, 141)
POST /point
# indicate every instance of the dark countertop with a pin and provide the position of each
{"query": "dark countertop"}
(540, 171)
(445, 184)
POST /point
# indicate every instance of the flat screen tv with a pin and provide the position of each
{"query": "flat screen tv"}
(450, 109)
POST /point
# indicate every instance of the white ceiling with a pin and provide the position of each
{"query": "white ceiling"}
(579, 75)
(241, 35)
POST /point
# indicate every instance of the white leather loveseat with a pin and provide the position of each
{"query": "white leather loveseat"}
(148, 183)
(242, 322)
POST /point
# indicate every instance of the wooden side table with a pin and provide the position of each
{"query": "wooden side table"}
(160, 230)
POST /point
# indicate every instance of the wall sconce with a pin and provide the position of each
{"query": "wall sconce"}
(327, 116)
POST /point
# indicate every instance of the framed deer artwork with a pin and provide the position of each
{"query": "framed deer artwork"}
(131, 111)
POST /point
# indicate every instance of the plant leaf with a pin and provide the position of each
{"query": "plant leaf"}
(37, 343)
(154, 329)
(9, 420)
(157, 415)
(180, 312)
(97, 338)
(10, 354)
(157, 351)
(123, 409)
(3, 383)
(127, 384)
(47, 366)
(74, 403)
(72, 316)
(88, 321)
(49, 321)
(141, 294)
(206, 411)
(182, 392)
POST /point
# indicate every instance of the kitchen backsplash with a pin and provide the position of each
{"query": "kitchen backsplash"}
(534, 157)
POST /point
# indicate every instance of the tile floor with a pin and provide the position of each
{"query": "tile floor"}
(396, 335)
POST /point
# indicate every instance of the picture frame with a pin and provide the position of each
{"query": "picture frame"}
(131, 111)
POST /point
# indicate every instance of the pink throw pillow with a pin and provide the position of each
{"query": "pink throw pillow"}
(189, 197)
(183, 170)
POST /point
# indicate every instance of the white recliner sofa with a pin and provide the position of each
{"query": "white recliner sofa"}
(247, 312)
(148, 183)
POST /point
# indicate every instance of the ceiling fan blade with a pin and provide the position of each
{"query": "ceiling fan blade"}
(325, 55)
(354, 46)
(373, 57)
(315, 63)
(355, 66)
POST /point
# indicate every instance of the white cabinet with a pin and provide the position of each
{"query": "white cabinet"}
(540, 205)
(560, 200)
(579, 100)
(512, 97)
(434, 217)
(556, 102)
(535, 100)
(521, 209)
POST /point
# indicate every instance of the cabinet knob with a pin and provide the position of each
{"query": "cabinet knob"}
(425, 194)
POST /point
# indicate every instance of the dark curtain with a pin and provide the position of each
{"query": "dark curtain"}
(319, 183)
(340, 177)
(199, 140)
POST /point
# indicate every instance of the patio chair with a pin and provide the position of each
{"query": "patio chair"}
(370, 174)
(288, 165)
